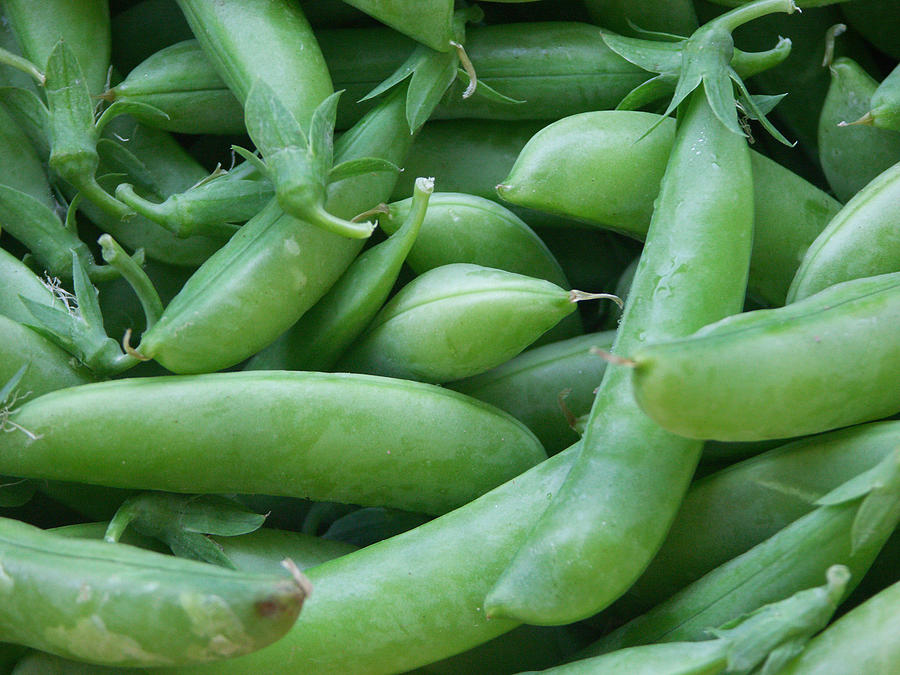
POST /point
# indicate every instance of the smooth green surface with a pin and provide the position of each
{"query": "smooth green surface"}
(274, 433)
(825, 362)
(427, 21)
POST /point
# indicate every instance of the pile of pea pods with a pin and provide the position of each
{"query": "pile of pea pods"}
(363, 337)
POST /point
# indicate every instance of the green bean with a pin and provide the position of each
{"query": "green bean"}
(748, 398)
(333, 323)
(117, 605)
(545, 386)
(623, 492)
(151, 441)
(459, 320)
(860, 241)
(852, 155)
(788, 212)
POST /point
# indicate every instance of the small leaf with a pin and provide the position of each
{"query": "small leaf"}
(652, 57)
(269, 123)
(647, 92)
(212, 514)
(720, 96)
(117, 158)
(128, 107)
(879, 512)
(757, 113)
(487, 92)
(321, 132)
(405, 70)
(429, 82)
(56, 325)
(195, 546)
(356, 167)
(88, 297)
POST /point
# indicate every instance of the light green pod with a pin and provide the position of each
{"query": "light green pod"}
(117, 605)
(862, 240)
(825, 362)
(276, 433)
(456, 321)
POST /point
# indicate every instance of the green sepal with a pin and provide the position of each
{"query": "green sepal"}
(128, 107)
(356, 167)
(15, 492)
(270, 124)
(775, 633)
(182, 521)
(118, 159)
(487, 92)
(757, 112)
(321, 135)
(253, 159)
(30, 114)
(654, 57)
(131, 271)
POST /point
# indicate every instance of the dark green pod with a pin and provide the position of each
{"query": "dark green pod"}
(273, 433)
(122, 606)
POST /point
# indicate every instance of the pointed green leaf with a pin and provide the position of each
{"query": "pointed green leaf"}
(405, 70)
(356, 167)
(88, 297)
(879, 512)
(269, 123)
(720, 96)
(212, 514)
(252, 158)
(196, 546)
(117, 158)
(321, 132)
(128, 107)
(487, 92)
(652, 57)
(11, 384)
(429, 82)
(647, 92)
(761, 103)
(56, 325)
(757, 113)
(30, 114)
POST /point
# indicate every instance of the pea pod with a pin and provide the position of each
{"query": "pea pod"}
(852, 155)
(458, 320)
(298, 409)
(788, 212)
(117, 605)
(727, 396)
(623, 492)
(862, 240)
(543, 387)
(332, 324)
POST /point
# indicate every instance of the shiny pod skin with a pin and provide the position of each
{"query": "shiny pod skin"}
(862, 240)
(329, 437)
(825, 362)
(113, 604)
(597, 169)
(455, 321)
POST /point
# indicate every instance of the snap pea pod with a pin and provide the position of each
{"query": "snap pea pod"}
(540, 385)
(863, 640)
(623, 492)
(118, 605)
(852, 155)
(884, 111)
(333, 323)
(726, 395)
(135, 433)
(862, 240)
(765, 639)
(459, 320)
(849, 527)
(789, 213)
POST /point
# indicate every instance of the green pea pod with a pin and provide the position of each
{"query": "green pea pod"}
(862, 240)
(863, 640)
(458, 320)
(545, 387)
(884, 112)
(427, 21)
(727, 396)
(121, 606)
(727, 513)
(765, 639)
(789, 213)
(849, 527)
(623, 492)
(331, 326)
(852, 155)
(298, 409)
(462, 228)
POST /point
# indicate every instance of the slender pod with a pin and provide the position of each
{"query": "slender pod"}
(849, 527)
(626, 168)
(156, 434)
(852, 155)
(839, 347)
(545, 387)
(333, 323)
(121, 606)
(459, 320)
(624, 490)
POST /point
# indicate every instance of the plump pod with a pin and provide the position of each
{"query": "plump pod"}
(828, 361)
(274, 433)
(455, 321)
(122, 606)
(862, 240)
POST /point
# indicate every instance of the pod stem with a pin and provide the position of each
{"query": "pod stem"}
(581, 296)
(15, 61)
(318, 215)
(830, 36)
(115, 256)
(467, 65)
(614, 359)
